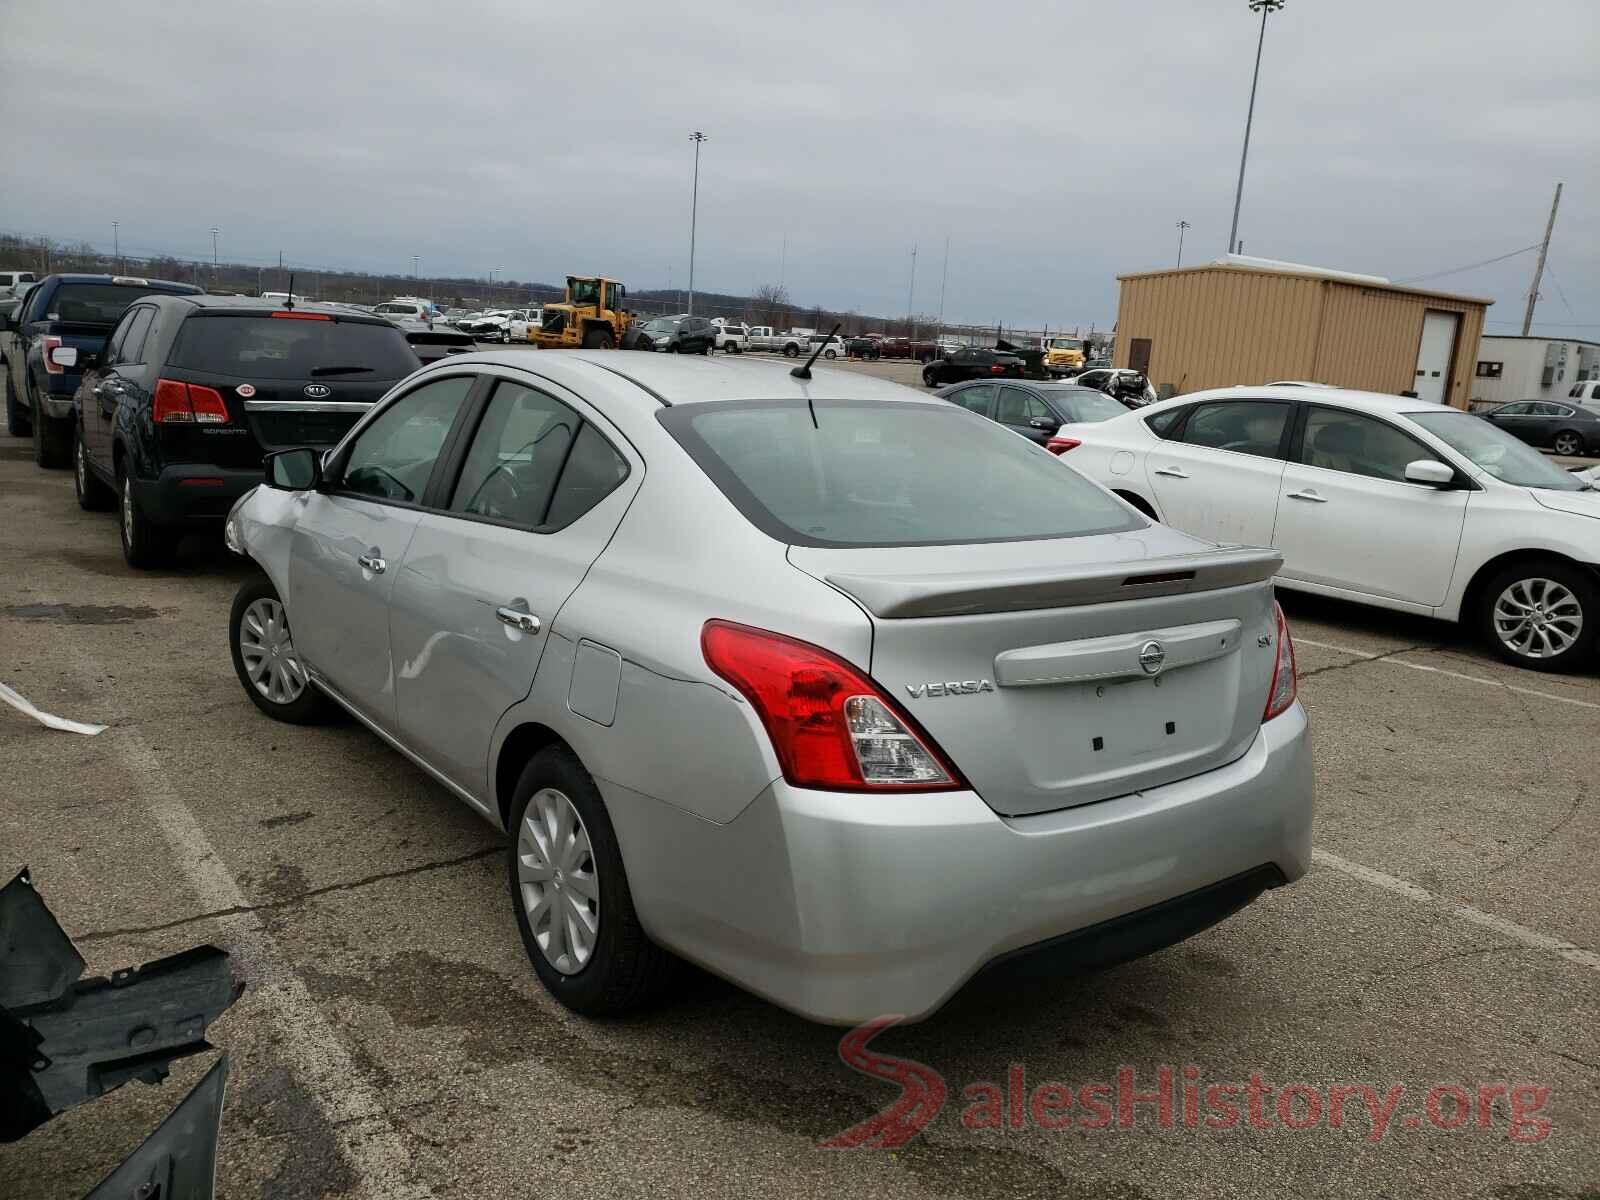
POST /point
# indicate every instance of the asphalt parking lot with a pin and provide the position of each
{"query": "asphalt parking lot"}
(393, 1041)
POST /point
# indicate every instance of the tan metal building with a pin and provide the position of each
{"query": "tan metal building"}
(1242, 320)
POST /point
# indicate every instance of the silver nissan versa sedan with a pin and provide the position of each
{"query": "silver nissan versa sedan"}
(838, 690)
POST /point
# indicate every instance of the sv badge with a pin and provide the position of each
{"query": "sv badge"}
(965, 687)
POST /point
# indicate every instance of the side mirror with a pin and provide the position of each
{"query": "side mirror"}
(1045, 424)
(1431, 472)
(64, 356)
(297, 470)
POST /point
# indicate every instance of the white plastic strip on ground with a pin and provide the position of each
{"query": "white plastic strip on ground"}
(375, 1149)
(1414, 666)
(1465, 912)
(23, 705)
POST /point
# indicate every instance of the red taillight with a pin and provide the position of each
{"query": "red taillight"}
(51, 366)
(179, 403)
(830, 726)
(288, 315)
(997, 369)
(1284, 684)
(1060, 445)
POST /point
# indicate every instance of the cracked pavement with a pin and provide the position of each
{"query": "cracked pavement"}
(394, 1042)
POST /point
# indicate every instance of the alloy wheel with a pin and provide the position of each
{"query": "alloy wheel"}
(127, 510)
(1567, 444)
(1538, 618)
(557, 879)
(268, 652)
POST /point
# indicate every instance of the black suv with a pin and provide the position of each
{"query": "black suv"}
(191, 391)
(681, 335)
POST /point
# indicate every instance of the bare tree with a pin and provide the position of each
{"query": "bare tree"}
(772, 305)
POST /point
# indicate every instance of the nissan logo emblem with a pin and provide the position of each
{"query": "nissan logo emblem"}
(317, 391)
(1151, 656)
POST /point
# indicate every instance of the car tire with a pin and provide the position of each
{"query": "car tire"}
(144, 543)
(707, 349)
(598, 961)
(1568, 444)
(830, 354)
(1542, 614)
(929, 380)
(93, 495)
(264, 660)
(791, 352)
(18, 420)
(598, 339)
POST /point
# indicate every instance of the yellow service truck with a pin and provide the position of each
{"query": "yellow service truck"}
(1063, 356)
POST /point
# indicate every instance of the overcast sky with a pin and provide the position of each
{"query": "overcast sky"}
(1055, 144)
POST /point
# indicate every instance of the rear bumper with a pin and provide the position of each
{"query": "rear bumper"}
(193, 494)
(845, 907)
(58, 406)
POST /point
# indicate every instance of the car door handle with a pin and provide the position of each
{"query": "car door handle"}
(1172, 472)
(372, 563)
(518, 618)
(1310, 495)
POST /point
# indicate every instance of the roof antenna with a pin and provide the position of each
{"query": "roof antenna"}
(288, 301)
(805, 372)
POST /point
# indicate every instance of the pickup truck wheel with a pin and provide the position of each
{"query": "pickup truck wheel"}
(18, 423)
(264, 658)
(52, 437)
(1542, 614)
(570, 893)
(93, 495)
(791, 351)
(144, 543)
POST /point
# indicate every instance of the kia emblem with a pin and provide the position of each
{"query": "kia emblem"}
(246, 390)
(317, 391)
(1151, 656)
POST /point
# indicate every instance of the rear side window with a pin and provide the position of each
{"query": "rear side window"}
(517, 454)
(1243, 426)
(132, 348)
(875, 474)
(1162, 423)
(267, 347)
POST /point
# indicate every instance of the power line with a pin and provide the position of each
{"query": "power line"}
(1550, 271)
(1469, 266)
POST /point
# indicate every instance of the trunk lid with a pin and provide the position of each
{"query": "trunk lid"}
(1062, 672)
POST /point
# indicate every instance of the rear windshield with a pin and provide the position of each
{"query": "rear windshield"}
(873, 474)
(264, 347)
(93, 303)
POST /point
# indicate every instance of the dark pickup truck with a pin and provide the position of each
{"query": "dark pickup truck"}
(61, 312)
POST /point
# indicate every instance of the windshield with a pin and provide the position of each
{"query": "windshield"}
(1065, 344)
(1090, 405)
(874, 474)
(262, 347)
(1496, 451)
(584, 291)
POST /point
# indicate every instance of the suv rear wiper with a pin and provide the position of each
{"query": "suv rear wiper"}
(315, 371)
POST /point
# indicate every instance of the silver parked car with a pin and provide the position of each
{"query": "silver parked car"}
(835, 689)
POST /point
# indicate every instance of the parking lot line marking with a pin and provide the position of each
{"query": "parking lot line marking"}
(1397, 662)
(375, 1149)
(1465, 912)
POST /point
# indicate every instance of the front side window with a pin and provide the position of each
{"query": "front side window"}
(392, 458)
(118, 336)
(516, 456)
(1017, 407)
(1339, 440)
(1242, 426)
(876, 474)
(1520, 409)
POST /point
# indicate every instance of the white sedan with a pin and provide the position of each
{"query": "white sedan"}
(1378, 499)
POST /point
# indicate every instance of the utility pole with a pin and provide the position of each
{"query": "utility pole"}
(783, 262)
(1263, 7)
(1538, 270)
(1182, 225)
(944, 278)
(911, 290)
(694, 211)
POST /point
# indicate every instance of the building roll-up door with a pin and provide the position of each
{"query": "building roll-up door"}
(1434, 355)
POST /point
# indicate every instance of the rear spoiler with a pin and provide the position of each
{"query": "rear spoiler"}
(960, 594)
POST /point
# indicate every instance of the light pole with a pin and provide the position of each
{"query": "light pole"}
(415, 260)
(1182, 225)
(1263, 7)
(214, 232)
(116, 243)
(944, 278)
(911, 290)
(694, 211)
